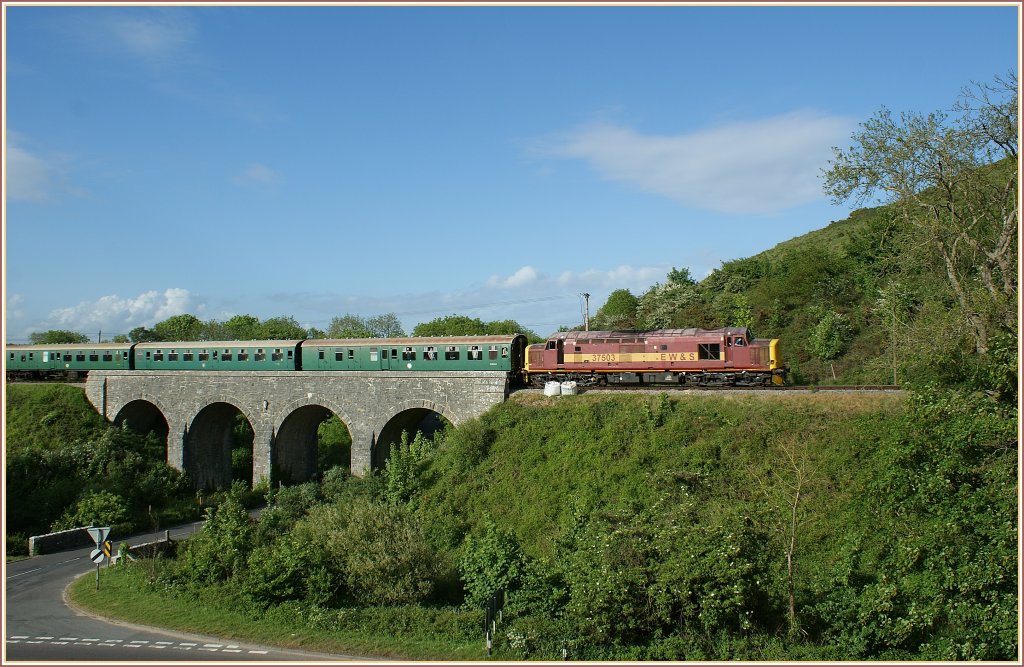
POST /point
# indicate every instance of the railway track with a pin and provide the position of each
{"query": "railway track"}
(809, 389)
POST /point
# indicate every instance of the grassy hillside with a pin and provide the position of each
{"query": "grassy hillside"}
(48, 416)
(641, 527)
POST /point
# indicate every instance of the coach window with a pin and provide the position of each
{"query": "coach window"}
(430, 354)
(226, 356)
(172, 355)
(243, 355)
(205, 355)
(408, 354)
(188, 356)
(23, 357)
(452, 353)
(260, 354)
(373, 354)
(351, 354)
(276, 355)
(475, 353)
(492, 352)
(339, 355)
(384, 353)
(108, 357)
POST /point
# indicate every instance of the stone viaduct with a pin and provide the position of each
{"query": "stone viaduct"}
(196, 411)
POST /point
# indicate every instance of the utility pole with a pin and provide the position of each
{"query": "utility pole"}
(586, 312)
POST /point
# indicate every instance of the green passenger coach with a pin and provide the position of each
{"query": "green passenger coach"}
(250, 355)
(66, 360)
(462, 353)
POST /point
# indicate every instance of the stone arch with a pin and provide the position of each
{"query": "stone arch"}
(142, 420)
(293, 456)
(391, 428)
(207, 441)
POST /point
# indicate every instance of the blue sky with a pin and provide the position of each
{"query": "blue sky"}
(494, 162)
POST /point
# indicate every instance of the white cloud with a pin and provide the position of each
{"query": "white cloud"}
(524, 276)
(116, 314)
(756, 167)
(152, 36)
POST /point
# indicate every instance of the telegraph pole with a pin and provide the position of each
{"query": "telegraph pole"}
(586, 312)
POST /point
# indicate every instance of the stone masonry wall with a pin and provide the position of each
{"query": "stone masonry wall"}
(366, 401)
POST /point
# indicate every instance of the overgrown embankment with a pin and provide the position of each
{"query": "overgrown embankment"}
(641, 527)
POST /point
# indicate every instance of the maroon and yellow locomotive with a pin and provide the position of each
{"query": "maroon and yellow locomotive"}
(695, 357)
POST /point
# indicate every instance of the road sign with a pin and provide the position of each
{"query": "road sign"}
(97, 556)
(106, 548)
(98, 534)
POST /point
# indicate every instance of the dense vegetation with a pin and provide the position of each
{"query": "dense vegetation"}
(644, 528)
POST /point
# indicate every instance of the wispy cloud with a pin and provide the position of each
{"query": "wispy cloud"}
(154, 36)
(756, 167)
(257, 174)
(30, 176)
(118, 314)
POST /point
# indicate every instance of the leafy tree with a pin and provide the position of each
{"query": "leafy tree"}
(618, 312)
(385, 326)
(349, 326)
(281, 328)
(954, 181)
(96, 508)
(242, 327)
(490, 561)
(893, 307)
(830, 338)
(179, 328)
(450, 325)
(57, 337)
(144, 335)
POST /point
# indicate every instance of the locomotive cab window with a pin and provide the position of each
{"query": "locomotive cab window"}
(740, 342)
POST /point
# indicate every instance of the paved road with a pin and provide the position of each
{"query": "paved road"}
(39, 626)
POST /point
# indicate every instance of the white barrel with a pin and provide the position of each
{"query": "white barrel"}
(568, 389)
(552, 388)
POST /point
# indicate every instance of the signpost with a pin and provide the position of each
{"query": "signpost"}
(102, 550)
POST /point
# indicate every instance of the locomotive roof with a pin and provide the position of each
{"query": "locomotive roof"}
(658, 333)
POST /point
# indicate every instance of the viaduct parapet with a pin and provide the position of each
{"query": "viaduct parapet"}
(196, 411)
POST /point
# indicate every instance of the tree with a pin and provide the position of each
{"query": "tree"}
(955, 182)
(618, 312)
(57, 337)
(143, 335)
(385, 326)
(179, 327)
(830, 338)
(450, 325)
(349, 326)
(893, 306)
(281, 328)
(242, 327)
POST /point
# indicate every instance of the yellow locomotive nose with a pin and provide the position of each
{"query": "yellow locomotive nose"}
(775, 362)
